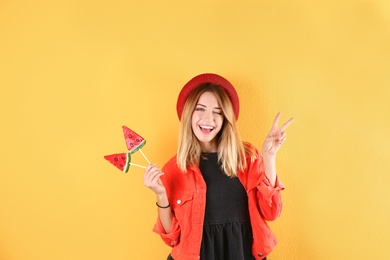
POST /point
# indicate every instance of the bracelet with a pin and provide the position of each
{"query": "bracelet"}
(161, 207)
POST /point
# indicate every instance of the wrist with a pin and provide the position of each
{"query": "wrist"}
(269, 157)
(162, 199)
(163, 207)
(269, 162)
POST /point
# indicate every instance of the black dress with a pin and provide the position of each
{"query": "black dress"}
(227, 232)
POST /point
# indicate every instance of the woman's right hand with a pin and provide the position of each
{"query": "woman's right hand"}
(152, 179)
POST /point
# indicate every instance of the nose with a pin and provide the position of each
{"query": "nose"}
(208, 116)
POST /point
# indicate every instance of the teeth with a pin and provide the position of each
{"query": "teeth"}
(207, 127)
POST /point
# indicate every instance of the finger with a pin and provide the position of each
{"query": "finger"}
(150, 172)
(151, 175)
(152, 178)
(149, 167)
(272, 138)
(147, 170)
(276, 121)
(157, 176)
(152, 167)
(285, 125)
(282, 140)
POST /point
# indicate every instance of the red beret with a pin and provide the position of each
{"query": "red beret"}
(207, 78)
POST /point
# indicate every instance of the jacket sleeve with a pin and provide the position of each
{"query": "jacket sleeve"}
(171, 238)
(269, 198)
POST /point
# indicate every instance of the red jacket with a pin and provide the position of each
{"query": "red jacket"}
(187, 196)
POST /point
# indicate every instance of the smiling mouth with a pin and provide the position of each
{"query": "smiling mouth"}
(206, 129)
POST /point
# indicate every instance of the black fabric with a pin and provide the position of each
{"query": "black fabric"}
(227, 233)
(170, 258)
(226, 198)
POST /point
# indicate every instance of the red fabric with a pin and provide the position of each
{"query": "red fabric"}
(207, 78)
(187, 196)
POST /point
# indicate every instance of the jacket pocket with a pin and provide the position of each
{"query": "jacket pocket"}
(182, 206)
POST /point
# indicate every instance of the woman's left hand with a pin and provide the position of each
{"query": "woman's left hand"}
(276, 137)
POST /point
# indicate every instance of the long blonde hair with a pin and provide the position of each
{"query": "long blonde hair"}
(231, 149)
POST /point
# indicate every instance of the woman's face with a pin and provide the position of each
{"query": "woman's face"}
(207, 120)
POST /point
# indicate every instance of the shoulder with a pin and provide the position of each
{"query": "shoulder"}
(171, 172)
(171, 168)
(176, 181)
(171, 165)
(254, 160)
(171, 161)
(251, 152)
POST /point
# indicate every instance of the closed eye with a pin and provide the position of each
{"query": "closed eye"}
(218, 111)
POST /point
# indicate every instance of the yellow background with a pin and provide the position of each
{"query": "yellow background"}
(73, 72)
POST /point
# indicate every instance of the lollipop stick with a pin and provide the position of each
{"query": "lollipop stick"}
(141, 166)
(144, 156)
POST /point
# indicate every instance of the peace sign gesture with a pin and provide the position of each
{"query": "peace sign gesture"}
(275, 137)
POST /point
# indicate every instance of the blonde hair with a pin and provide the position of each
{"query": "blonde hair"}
(231, 149)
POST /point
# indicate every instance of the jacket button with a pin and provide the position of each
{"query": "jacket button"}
(178, 201)
(259, 254)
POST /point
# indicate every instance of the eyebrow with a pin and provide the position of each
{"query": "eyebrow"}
(206, 106)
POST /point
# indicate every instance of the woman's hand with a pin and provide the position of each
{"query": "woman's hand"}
(271, 146)
(152, 179)
(276, 137)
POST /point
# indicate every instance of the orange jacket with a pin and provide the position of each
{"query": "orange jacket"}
(187, 196)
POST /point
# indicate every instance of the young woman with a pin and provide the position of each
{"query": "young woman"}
(215, 196)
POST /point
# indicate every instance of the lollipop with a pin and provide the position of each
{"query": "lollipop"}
(134, 143)
(120, 160)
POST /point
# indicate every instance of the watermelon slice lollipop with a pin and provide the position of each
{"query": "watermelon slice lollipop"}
(134, 141)
(120, 160)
